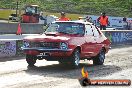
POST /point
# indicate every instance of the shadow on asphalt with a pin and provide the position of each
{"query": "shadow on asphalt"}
(61, 71)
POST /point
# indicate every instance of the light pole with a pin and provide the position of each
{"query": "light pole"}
(129, 5)
(16, 8)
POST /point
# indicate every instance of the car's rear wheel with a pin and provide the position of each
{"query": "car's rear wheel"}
(99, 59)
(75, 58)
(31, 60)
(63, 62)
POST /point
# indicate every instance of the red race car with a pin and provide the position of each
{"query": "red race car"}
(67, 42)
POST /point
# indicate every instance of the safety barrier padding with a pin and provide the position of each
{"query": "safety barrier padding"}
(119, 36)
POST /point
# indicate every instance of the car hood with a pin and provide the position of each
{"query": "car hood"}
(48, 38)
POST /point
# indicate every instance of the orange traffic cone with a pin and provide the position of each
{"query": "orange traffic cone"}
(19, 31)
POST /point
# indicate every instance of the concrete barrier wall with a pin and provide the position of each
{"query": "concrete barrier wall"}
(13, 47)
(10, 48)
(7, 48)
(30, 28)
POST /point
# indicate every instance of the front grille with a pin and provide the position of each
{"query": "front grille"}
(47, 45)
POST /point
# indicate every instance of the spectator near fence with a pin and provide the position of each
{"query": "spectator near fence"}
(88, 19)
(42, 19)
(63, 17)
(103, 20)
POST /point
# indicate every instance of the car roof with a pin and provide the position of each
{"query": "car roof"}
(77, 21)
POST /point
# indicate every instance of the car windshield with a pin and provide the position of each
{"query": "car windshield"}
(66, 28)
(30, 9)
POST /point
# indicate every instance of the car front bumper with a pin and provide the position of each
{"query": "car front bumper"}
(48, 53)
(46, 50)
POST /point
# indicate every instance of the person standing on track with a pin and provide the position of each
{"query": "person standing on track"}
(103, 20)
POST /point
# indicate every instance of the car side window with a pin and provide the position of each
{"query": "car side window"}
(95, 31)
(89, 30)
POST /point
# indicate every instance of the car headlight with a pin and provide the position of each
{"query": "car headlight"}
(63, 45)
(26, 44)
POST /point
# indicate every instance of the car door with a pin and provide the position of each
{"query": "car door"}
(88, 48)
(98, 39)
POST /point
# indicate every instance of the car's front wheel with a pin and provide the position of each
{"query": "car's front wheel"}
(31, 60)
(99, 59)
(75, 58)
